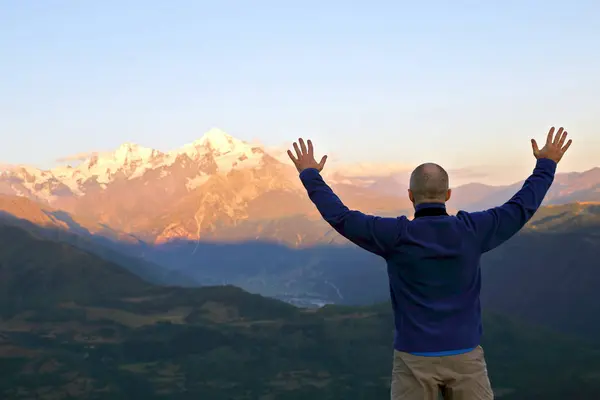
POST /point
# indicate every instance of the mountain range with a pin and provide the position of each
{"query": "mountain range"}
(220, 188)
(222, 211)
(73, 325)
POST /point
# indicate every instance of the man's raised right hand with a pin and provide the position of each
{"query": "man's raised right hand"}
(555, 146)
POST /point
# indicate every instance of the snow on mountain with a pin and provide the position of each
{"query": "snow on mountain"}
(227, 151)
(129, 161)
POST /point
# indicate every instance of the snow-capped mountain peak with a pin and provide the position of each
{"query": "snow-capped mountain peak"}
(227, 151)
(215, 141)
(130, 158)
(131, 151)
(219, 141)
(215, 151)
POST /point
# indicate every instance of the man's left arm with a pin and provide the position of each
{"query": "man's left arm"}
(375, 234)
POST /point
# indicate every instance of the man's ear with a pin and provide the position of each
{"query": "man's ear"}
(411, 196)
(448, 194)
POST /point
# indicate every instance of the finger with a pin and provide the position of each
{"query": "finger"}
(302, 146)
(322, 162)
(535, 147)
(550, 135)
(310, 148)
(564, 149)
(561, 142)
(291, 155)
(298, 154)
(558, 136)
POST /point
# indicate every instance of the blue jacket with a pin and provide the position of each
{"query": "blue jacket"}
(433, 261)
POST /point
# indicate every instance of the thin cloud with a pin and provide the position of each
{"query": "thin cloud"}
(371, 169)
(76, 157)
(278, 152)
(470, 172)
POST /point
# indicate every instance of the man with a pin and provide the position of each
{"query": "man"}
(433, 269)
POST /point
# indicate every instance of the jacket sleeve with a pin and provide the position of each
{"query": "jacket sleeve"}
(375, 234)
(496, 225)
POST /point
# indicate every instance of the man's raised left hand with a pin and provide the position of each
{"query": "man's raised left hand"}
(305, 157)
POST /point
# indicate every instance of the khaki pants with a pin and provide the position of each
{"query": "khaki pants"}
(456, 377)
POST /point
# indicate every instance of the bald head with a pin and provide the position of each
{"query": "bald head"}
(429, 184)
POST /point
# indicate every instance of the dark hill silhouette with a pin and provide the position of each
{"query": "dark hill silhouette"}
(36, 273)
(80, 237)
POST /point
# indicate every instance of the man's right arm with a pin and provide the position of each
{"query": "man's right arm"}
(496, 225)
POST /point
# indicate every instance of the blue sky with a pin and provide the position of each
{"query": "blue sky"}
(463, 83)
